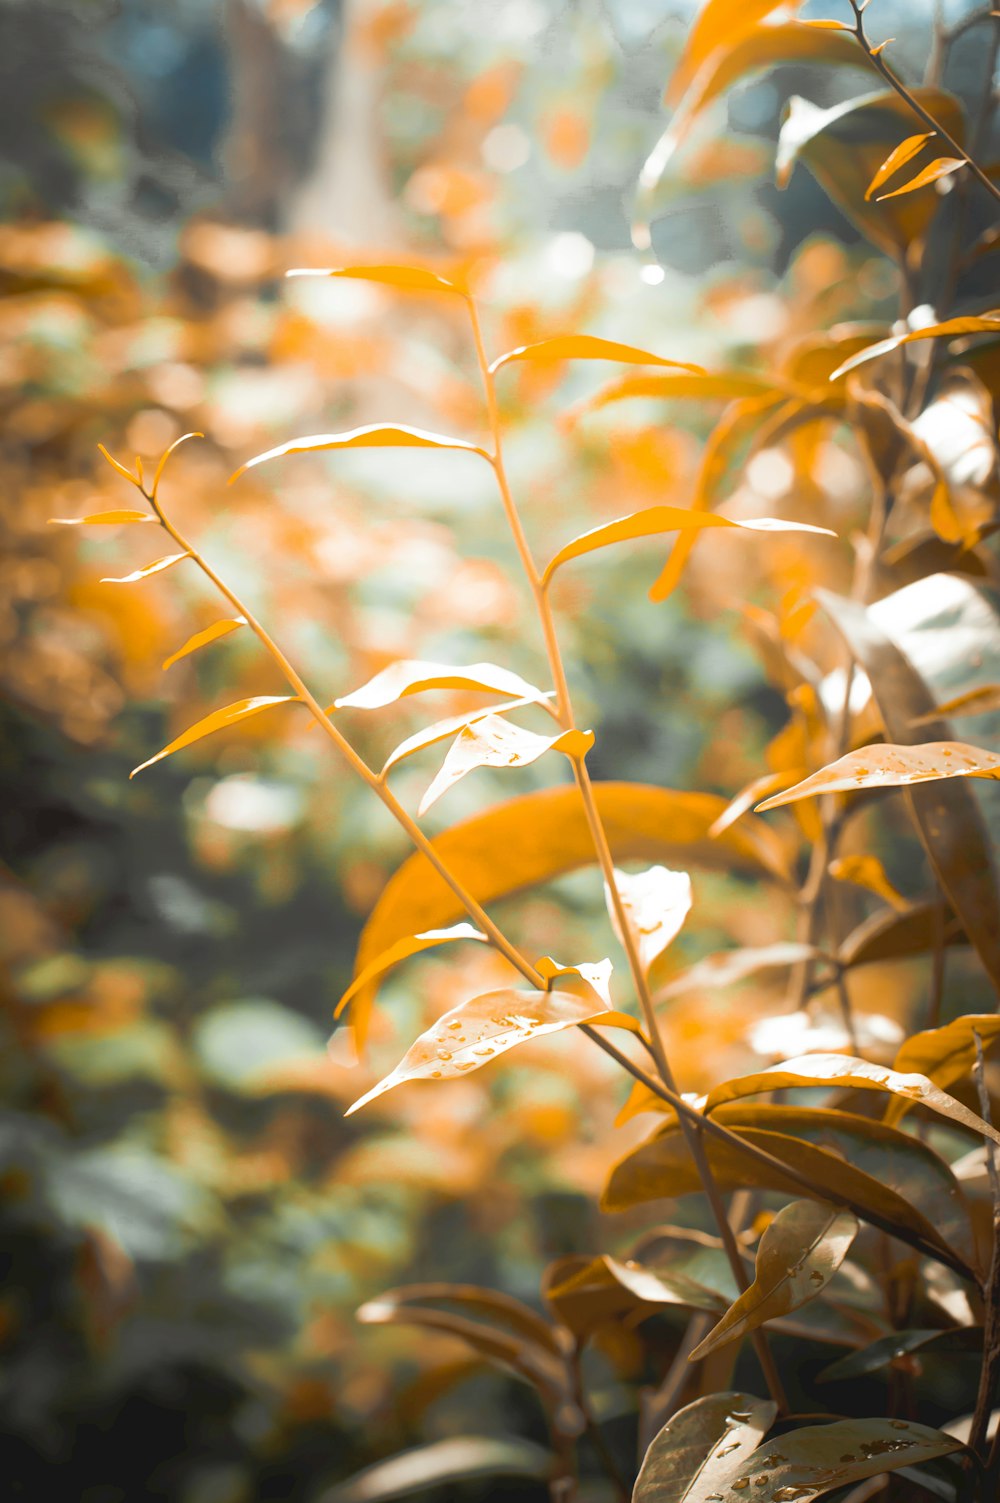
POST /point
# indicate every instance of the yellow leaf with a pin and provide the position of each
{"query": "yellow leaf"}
(717, 26)
(412, 278)
(767, 783)
(202, 638)
(951, 328)
(897, 158)
(155, 567)
(115, 464)
(587, 347)
(494, 742)
(241, 709)
(868, 872)
(656, 903)
(469, 1035)
(402, 950)
(984, 701)
(888, 766)
(373, 436)
(414, 676)
(102, 519)
(943, 1055)
(442, 729)
(596, 975)
(939, 168)
(655, 520)
(828, 26)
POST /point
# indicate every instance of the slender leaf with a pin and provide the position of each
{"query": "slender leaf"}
(494, 742)
(767, 783)
(981, 701)
(202, 638)
(890, 766)
(888, 1350)
(932, 173)
(897, 158)
(410, 278)
(415, 676)
(700, 1448)
(868, 872)
(587, 347)
(951, 328)
(730, 966)
(102, 519)
(156, 567)
(373, 436)
(441, 730)
(459, 1459)
(232, 714)
(415, 944)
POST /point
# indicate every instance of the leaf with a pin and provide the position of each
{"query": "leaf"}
(441, 730)
(156, 567)
(373, 436)
(538, 836)
(745, 799)
(897, 158)
(899, 936)
(891, 766)
(914, 647)
(843, 147)
(458, 1459)
(659, 519)
(411, 278)
(884, 1176)
(596, 975)
(812, 1461)
(241, 709)
(798, 1254)
(716, 25)
(656, 903)
(868, 872)
(415, 676)
(472, 1300)
(415, 944)
(102, 519)
(587, 347)
(673, 386)
(951, 328)
(494, 742)
(202, 638)
(701, 1447)
(602, 1290)
(887, 1350)
(469, 1035)
(944, 1054)
(856, 1074)
(939, 168)
(730, 966)
(983, 701)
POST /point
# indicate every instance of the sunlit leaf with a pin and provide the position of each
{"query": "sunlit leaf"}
(939, 168)
(700, 1448)
(730, 966)
(944, 1054)
(458, 1459)
(656, 903)
(951, 328)
(716, 25)
(984, 701)
(856, 1074)
(884, 1176)
(441, 730)
(102, 519)
(587, 347)
(798, 1254)
(232, 714)
(888, 1350)
(767, 783)
(402, 950)
(659, 519)
(596, 975)
(867, 872)
(674, 386)
(494, 742)
(156, 567)
(202, 638)
(412, 278)
(809, 1462)
(889, 766)
(470, 1035)
(414, 676)
(373, 436)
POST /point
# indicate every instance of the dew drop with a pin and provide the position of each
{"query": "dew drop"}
(734, 1446)
(457, 1023)
(738, 1416)
(816, 1276)
(762, 1480)
(435, 1075)
(740, 1485)
(483, 1053)
(899, 1424)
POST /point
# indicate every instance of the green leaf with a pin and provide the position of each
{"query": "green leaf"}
(798, 1255)
(470, 1035)
(882, 1353)
(656, 520)
(219, 720)
(494, 742)
(414, 944)
(373, 436)
(807, 1463)
(700, 1448)
(944, 1054)
(587, 347)
(202, 638)
(415, 676)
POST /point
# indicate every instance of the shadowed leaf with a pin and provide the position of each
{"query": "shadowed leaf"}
(241, 709)
(700, 1448)
(455, 1460)
(944, 1054)
(889, 1349)
(812, 1461)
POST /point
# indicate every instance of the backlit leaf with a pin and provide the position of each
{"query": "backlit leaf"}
(659, 519)
(587, 347)
(603, 1289)
(414, 676)
(857, 1074)
(441, 730)
(470, 1035)
(202, 638)
(731, 966)
(494, 742)
(700, 1448)
(232, 714)
(656, 903)
(867, 872)
(716, 25)
(102, 519)
(951, 328)
(939, 168)
(412, 278)
(812, 1461)
(156, 567)
(596, 975)
(373, 436)
(402, 950)
(984, 701)
(674, 386)
(798, 1254)
(897, 158)
(944, 1054)
(455, 1460)
(767, 783)
(889, 766)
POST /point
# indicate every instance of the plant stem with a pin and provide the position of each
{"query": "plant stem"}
(876, 59)
(605, 858)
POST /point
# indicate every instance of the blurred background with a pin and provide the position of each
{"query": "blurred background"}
(188, 1221)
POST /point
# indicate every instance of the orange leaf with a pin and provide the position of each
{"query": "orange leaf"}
(442, 729)
(940, 167)
(102, 519)
(202, 638)
(768, 782)
(897, 158)
(888, 766)
(587, 347)
(402, 950)
(374, 436)
(412, 278)
(241, 709)
(415, 676)
(155, 567)
(984, 701)
(494, 742)
(868, 872)
(950, 329)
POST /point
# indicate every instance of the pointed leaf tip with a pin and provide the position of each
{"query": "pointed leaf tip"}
(371, 436)
(156, 567)
(588, 347)
(890, 766)
(241, 709)
(411, 278)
